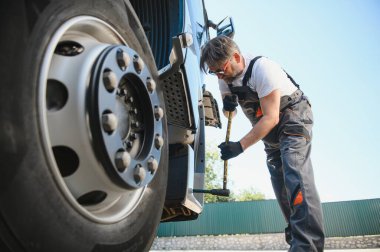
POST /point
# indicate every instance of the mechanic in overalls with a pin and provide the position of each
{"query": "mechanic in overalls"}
(281, 117)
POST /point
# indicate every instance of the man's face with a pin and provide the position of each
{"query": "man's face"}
(221, 71)
(226, 71)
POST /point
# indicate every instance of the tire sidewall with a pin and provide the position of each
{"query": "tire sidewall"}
(36, 211)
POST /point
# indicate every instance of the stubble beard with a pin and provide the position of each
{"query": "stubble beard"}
(230, 79)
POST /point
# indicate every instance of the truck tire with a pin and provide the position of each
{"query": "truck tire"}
(83, 151)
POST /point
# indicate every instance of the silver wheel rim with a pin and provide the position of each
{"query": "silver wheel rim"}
(101, 119)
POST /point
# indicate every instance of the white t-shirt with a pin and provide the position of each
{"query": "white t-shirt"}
(266, 77)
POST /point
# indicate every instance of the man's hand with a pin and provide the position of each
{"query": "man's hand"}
(230, 102)
(230, 150)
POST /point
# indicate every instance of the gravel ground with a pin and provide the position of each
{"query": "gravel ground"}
(256, 242)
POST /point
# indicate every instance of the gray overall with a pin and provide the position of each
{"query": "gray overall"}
(288, 148)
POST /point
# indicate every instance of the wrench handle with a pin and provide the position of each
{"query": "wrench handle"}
(225, 173)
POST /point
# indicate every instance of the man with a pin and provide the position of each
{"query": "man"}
(281, 117)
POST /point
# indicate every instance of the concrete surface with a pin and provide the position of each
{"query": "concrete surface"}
(340, 250)
(261, 242)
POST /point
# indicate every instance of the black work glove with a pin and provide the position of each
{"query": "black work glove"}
(230, 150)
(230, 102)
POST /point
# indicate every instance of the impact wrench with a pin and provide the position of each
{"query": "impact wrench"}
(221, 192)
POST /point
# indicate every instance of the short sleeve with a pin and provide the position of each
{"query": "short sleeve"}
(267, 76)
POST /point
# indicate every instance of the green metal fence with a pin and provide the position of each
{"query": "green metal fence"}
(352, 218)
(347, 218)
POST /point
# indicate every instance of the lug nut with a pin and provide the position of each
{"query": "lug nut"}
(122, 92)
(139, 174)
(138, 63)
(133, 111)
(129, 99)
(158, 112)
(122, 160)
(110, 80)
(151, 85)
(129, 144)
(123, 59)
(158, 141)
(135, 124)
(133, 136)
(109, 122)
(152, 165)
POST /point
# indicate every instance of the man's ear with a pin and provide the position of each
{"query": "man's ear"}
(237, 57)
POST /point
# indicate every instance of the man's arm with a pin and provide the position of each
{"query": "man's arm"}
(270, 106)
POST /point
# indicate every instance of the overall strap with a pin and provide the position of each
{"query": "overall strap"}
(248, 73)
(292, 80)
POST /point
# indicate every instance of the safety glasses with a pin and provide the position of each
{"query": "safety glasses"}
(220, 71)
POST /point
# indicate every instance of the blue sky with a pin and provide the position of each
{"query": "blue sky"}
(332, 49)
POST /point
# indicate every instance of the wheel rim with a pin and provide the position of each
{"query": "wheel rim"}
(101, 119)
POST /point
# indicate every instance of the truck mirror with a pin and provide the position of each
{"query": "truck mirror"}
(226, 28)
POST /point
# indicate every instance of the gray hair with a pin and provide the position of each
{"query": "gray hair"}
(217, 51)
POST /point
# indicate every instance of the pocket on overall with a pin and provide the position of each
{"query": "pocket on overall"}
(306, 114)
(297, 130)
(298, 120)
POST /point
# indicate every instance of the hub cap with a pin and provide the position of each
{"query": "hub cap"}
(124, 119)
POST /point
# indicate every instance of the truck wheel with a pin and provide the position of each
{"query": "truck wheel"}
(83, 133)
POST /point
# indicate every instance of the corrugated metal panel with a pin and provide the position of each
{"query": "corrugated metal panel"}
(348, 218)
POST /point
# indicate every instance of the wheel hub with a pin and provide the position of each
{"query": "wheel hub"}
(125, 117)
